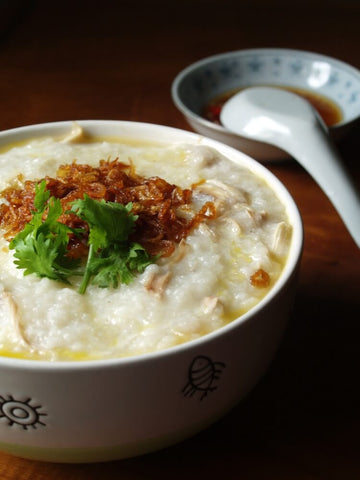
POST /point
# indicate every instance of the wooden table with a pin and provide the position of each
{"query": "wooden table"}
(116, 60)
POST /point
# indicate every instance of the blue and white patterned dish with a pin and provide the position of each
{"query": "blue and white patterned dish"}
(201, 82)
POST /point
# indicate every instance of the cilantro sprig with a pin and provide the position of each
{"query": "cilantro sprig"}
(112, 258)
(41, 247)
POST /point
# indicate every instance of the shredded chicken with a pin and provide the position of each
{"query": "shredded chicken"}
(256, 217)
(280, 240)
(158, 282)
(19, 332)
(179, 253)
(76, 134)
(209, 304)
(15, 318)
(220, 190)
(233, 224)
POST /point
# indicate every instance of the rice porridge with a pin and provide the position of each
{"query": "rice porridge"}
(223, 266)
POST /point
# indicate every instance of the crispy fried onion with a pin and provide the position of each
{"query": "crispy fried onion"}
(158, 204)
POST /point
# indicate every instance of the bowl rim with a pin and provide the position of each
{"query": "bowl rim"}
(37, 130)
(185, 110)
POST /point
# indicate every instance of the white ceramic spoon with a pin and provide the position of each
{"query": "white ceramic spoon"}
(288, 121)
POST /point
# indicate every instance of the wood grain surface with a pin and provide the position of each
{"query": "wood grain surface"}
(116, 60)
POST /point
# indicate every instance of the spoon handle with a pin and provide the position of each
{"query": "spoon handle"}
(319, 156)
(289, 122)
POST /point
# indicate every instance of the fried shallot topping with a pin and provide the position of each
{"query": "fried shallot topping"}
(159, 205)
(260, 279)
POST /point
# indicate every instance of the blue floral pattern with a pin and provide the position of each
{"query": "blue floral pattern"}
(211, 77)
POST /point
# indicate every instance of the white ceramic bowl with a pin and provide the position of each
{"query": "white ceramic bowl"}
(201, 82)
(103, 410)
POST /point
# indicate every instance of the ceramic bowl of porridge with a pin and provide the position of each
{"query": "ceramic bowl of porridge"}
(330, 85)
(147, 276)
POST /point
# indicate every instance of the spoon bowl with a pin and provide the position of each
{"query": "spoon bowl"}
(287, 121)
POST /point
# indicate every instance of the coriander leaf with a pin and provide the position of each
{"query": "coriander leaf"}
(109, 222)
(34, 256)
(138, 258)
(53, 213)
(41, 196)
(119, 264)
(42, 256)
(109, 270)
(41, 247)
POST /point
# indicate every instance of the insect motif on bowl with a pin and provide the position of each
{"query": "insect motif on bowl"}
(20, 412)
(202, 374)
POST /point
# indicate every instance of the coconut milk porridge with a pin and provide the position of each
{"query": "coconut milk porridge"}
(214, 274)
